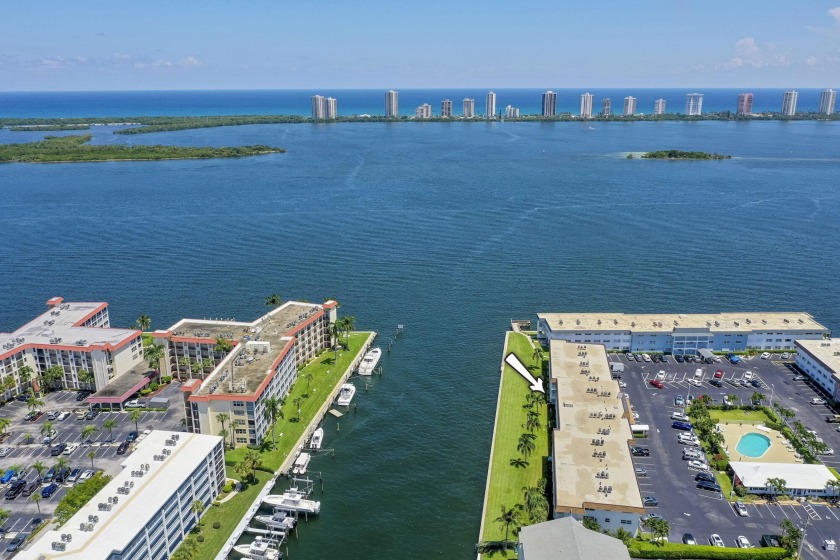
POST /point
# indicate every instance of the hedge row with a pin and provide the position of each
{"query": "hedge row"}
(639, 549)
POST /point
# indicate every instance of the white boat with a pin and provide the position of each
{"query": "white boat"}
(300, 463)
(292, 500)
(279, 521)
(369, 361)
(317, 439)
(346, 394)
(260, 549)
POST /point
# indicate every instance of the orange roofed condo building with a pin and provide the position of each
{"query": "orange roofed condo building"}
(231, 367)
(77, 338)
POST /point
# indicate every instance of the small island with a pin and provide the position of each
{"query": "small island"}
(68, 149)
(49, 127)
(678, 154)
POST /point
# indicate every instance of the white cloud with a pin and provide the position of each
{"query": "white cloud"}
(746, 47)
(191, 61)
(835, 13)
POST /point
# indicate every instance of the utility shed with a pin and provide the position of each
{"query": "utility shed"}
(567, 539)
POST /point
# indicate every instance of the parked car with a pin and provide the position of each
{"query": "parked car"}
(50, 475)
(656, 383)
(688, 538)
(661, 375)
(817, 400)
(741, 509)
(622, 384)
(679, 401)
(691, 453)
(16, 542)
(71, 448)
(629, 356)
(63, 416)
(716, 382)
(58, 449)
(733, 359)
(786, 356)
(49, 490)
(123, 448)
(5, 451)
(52, 415)
(7, 476)
(765, 355)
(62, 475)
(15, 489)
(743, 542)
(656, 358)
(650, 501)
(82, 396)
(715, 540)
(131, 436)
(679, 358)
(695, 382)
(85, 476)
(679, 416)
(708, 477)
(34, 485)
(135, 403)
(646, 357)
(664, 358)
(710, 486)
(638, 451)
(719, 374)
(697, 465)
(650, 516)
(681, 425)
(74, 475)
(93, 413)
(640, 471)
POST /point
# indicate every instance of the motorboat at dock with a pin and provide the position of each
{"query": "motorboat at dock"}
(346, 394)
(301, 463)
(317, 439)
(260, 549)
(369, 362)
(292, 500)
(280, 520)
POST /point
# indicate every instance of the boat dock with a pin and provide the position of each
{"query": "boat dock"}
(286, 466)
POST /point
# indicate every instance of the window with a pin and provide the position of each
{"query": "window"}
(606, 520)
(626, 522)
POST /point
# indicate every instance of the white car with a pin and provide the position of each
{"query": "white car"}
(689, 441)
(661, 375)
(71, 448)
(828, 451)
(742, 542)
(696, 382)
(698, 465)
(646, 357)
(86, 475)
(817, 400)
(715, 540)
(622, 384)
(748, 375)
(63, 416)
(786, 356)
(741, 509)
(5, 451)
(679, 416)
(764, 356)
(133, 404)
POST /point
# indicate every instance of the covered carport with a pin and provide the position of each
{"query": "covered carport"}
(706, 355)
(121, 388)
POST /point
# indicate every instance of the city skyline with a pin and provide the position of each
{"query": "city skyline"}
(109, 49)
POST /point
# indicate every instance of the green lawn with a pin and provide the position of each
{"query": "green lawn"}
(739, 416)
(506, 480)
(833, 471)
(326, 372)
(228, 515)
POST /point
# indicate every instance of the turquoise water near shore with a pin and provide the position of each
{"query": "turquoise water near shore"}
(451, 231)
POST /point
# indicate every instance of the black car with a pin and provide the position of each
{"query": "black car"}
(16, 542)
(655, 358)
(62, 475)
(123, 447)
(50, 474)
(131, 436)
(34, 485)
(23, 398)
(708, 477)
(639, 451)
(58, 449)
(14, 489)
(706, 485)
(82, 396)
(688, 538)
(716, 382)
(93, 413)
(664, 359)
(679, 358)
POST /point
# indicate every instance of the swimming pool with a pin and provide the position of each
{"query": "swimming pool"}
(753, 445)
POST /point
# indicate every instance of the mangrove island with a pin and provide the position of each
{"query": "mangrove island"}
(678, 154)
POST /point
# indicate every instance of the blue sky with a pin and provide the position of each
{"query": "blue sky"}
(186, 44)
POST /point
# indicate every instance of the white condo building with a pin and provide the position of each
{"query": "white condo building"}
(490, 105)
(392, 107)
(77, 338)
(261, 362)
(586, 105)
(549, 104)
(317, 107)
(606, 107)
(694, 104)
(629, 106)
(659, 107)
(446, 108)
(827, 99)
(469, 108)
(330, 108)
(745, 103)
(789, 103)
(820, 360)
(424, 111)
(681, 333)
(512, 112)
(146, 510)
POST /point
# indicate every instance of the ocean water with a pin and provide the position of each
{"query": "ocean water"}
(449, 230)
(367, 101)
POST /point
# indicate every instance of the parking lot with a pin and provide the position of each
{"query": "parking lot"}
(21, 455)
(669, 479)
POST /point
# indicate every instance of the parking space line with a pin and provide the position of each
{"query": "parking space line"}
(758, 511)
(831, 511)
(782, 508)
(770, 510)
(794, 508)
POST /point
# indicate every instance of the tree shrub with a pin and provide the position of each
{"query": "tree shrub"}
(227, 487)
(645, 549)
(216, 525)
(200, 538)
(144, 392)
(154, 387)
(740, 490)
(166, 380)
(78, 496)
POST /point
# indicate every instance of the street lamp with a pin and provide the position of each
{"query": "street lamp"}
(772, 392)
(804, 528)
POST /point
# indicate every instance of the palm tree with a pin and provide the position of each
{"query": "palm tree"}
(154, 353)
(273, 410)
(833, 485)
(90, 455)
(8, 385)
(144, 322)
(779, 485)
(135, 416)
(185, 362)
(538, 357)
(532, 422)
(61, 463)
(33, 403)
(197, 507)
(223, 418)
(297, 402)
(526, 444)
(335, 333)
(535, 503)
(47, 428)
(88, 431)
(623, 535)
(273, 300)
(349, 325)
(36, 497)
(85, 377)
(25, 374)
(39, 468)
(51, 375)
(208, 363)
(197, 366)
(223, 346)
(308, 376)
(109, 425)
(758, 397)
(4, 424)
(510, 520)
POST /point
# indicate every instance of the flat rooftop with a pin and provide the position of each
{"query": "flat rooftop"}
(124, 385)
(826, 351)
(56, 327)
(589, 408)
(669, 322)
(116, 528)
(260, 343)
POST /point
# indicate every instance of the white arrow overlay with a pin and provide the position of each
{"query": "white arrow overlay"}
(536, 384)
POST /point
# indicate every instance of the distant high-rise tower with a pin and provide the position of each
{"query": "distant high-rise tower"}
(659, 107)
(606, 107)
(827, 99)
(511, 112)
(629, 106)
(446, 108)
(694, 104)
(549, 104)
(789, 103)
(392, 106)
(317, 107)
(490, 105)
(330, 108)
(469, 108)
(424, 111)
(586, 106)
(745, 102)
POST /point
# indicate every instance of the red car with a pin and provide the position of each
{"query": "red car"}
(656, 383)
(719, 374)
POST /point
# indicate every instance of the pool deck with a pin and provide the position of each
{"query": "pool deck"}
(779, 452)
